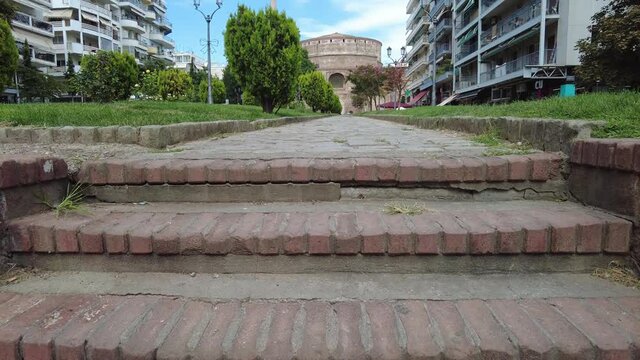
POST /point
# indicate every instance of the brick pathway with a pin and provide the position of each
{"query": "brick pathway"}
(153, 327)
(336, 137)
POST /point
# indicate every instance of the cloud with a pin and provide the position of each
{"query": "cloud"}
(383, 20)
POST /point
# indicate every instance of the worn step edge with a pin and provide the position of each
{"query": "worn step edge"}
(562, 230)
(534, 167)
(284, 264)
(153, 327)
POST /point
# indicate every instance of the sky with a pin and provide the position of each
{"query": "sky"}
(383, 20)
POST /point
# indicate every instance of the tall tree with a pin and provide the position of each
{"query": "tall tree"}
(232, 86)
(8, 55)
(396, 81)
(612, 54)
(306, 66)
(368, 82)
(263, 50)
(107, 76)
(30, 79)
(7, 11)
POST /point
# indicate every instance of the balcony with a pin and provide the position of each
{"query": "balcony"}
(518, 19)
(162, 39)
(90, 48)
(39, 57)
(85, 5)
(443, 28)
(467, 81)
(486, 4)
(466, 50)
(440, 4)
(515, 66)
(135, 5)
(443, 49)
(30, 23)
(104, 31)
(131, 22)
(421, 62)
(463, 21)
(164, 23)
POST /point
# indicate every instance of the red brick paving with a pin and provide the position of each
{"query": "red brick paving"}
(536, 167)
(452, 232)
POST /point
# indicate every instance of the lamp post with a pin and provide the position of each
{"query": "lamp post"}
(403, 53)
(207, 18)
(434, 22)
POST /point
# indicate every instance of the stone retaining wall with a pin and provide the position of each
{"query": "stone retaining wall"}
(543, 134)
(153, 136)
(24, 182)
(606, 173)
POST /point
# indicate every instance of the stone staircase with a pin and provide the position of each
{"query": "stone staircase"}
(298, 219)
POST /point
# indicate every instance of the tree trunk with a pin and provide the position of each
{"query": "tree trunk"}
(267, 105)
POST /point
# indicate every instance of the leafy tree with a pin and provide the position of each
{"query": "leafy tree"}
(318, 93)
(173, 84)
(306, 66)
(8, 55)
(149, 84)
(263, 50)
(218, 92)
(396, 81)
(232, 86)
(152, 64)
(108, 76)
(31, 79)
(7, 11)
(612, 54)
(368, 83)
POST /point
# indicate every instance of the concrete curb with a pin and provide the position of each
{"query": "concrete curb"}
(152, 136)
(544, 134)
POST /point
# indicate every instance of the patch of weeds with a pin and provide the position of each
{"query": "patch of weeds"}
(618, 273)
(383, 141)
(221, 136)
(498, 147)
(339, 140)
(71, 203)
(15, 274)
(404, 209)
(166, 150)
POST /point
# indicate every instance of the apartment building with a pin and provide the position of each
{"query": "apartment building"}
(184, 60)
(62, 31)
(504, 50)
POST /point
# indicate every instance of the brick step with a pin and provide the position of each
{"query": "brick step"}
(284, 233)
(36, 326)
(539, 167)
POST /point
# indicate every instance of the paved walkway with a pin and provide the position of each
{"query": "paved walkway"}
(335, 137)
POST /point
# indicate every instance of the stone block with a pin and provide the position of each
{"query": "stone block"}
(42, 136)
(19, 135)
(127, 135)
(87, 135)
(154, 136)
(65, 135)
(107, 134)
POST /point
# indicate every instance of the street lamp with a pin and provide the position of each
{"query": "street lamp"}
(434, 22)
(207, 18)
(403, 53)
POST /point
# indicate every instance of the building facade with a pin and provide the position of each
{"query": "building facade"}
(498, 50)
(184, 60)
(61, 31)
(336, 55)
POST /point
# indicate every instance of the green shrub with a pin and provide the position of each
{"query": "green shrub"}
(108, 76)
(173, 84)
(218, 91)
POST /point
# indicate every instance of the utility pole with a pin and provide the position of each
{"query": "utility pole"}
(274, 4)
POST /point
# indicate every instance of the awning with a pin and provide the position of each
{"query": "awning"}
(89, 17)
(393, 105)
(463, 3)
(35, 42)
(468, 6)
(448, 100)
(468, 95)
(62, 14)
(417, 98)
(469, 35)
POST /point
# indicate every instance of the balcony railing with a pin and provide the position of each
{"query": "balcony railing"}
(488, 3)
(465, 19)
(133, 18)
(439, 5)
(90, 48)
(94, 7)
(465, 50)
(442, 24)
(106, 31)
(443, 48)
(33, 22)
(517, 65)
(466, 81)
(529, 11)
(164, 21)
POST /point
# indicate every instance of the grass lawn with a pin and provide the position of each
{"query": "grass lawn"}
(621, 111)
(133, 113)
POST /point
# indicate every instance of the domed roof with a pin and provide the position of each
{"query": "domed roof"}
(337, 35)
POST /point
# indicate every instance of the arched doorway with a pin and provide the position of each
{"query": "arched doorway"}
(337, 80)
